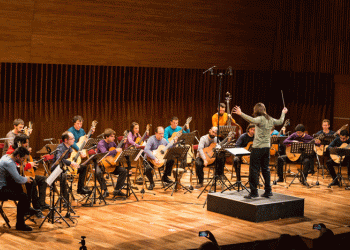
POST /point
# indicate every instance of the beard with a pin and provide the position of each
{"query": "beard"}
(211, 136)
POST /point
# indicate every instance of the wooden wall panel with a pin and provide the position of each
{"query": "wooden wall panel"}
(50, 95)
(151, 33)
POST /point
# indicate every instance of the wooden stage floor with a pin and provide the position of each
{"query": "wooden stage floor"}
(162, 221)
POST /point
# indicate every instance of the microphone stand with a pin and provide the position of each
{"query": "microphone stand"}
(221, 75)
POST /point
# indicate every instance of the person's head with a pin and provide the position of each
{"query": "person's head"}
(344, 135)
(209, 245)
(326, 124)
(251, 130)
(174, 122)
(134, 128)
(213, 132)
(109, 135)
(77, 122)
(68, 138)
(300, 130)
(159, 133)
(21, 140)
(20, 154)
(222, 108)
(18, 125)
(260, 110)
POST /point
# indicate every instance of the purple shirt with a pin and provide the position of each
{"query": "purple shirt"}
(293, 137)
(103, 147)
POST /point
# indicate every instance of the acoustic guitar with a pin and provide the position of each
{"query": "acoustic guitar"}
(75, 155)
(337, 158)
(274, 147)
(140, 140)
(109, 162)
(322, 148)
(209, 151)
(296, 156)
(177, 134)
(160, 152)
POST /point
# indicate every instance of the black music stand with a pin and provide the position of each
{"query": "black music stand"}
(53, 206)
(145, 164)
(47, 149)
(95, 159)
(304, 149)
(342, 153)
(213, 181)
(188, 139)
(127, 156)
(225, 130)
(277, 140)
(179, 153)
(325, 141)
(238, 183)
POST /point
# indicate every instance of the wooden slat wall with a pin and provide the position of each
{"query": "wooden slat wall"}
(51, 94)
(313, 36)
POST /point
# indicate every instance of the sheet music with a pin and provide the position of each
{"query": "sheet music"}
(53, 176)
(238, 151)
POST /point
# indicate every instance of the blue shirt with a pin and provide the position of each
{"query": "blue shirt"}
(168, 132)
(8, 170)
(77, 134)
(61, 149)
(275, 132)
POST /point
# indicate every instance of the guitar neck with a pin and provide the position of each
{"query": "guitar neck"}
(142, 138)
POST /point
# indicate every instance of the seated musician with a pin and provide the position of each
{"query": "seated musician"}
(337, 142)
(242, 142)
(170, 130)
(10, 188)
(325, 129)
(152, 144)
(104, 146)
(201, 160)
(308, 162)
(281, 148)
(223, 116)
(18, 127)
(67, 142)
(39, 182)
(133, 135)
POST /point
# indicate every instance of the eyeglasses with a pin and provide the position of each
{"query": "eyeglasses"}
(71, 138)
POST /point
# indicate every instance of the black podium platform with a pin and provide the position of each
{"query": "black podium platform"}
(258, 209)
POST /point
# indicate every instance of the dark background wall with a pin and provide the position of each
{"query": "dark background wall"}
(124, 61)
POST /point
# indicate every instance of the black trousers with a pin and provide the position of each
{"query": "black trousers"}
(259, 159)
(200, 165)
(16, 194)
(167, 171)
(307, 162)
(330, 165)
(37, 198)
(237, 162)
(122, 173)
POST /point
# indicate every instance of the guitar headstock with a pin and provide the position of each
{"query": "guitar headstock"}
(28, 130)
(94, 123)
(189, 119)
(344, 127)
(148, 127)
(286, 123)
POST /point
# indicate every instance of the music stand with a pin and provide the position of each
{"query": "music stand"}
(303, 149)
(238, 183)
(279, 141)
(51, 182)
(342, 153)
(179, 153)
(325, 141)
(95, 159)
(188, 139)
(127, 156)
(145, 164)
(225, 130)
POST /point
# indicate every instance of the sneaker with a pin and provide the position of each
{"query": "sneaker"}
(151, 186)
(267, 194)
(32, 211)
(251, 195)
(118, 193)
(23, 227)
(40, 215)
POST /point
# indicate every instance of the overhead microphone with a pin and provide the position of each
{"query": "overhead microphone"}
(211, 70)
(49, 139)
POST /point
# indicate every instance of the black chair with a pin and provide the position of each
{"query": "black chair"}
(3, 214)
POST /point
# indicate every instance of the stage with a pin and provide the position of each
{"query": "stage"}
(162, 221)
